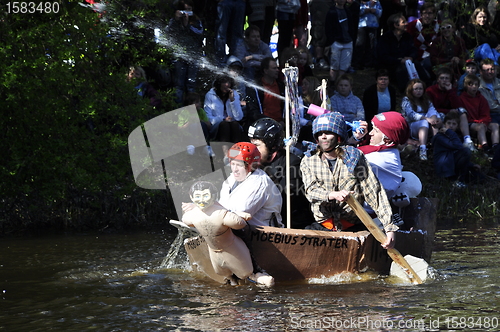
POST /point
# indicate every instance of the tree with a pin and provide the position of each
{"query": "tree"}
(67, 111)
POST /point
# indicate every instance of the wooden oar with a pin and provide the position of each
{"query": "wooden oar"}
(380, 236)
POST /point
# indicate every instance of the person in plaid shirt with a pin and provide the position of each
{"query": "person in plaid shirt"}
(334, 171)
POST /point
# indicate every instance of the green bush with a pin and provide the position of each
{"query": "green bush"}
(66, 115)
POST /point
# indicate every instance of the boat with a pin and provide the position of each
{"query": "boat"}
(286, 254)
(301, 254)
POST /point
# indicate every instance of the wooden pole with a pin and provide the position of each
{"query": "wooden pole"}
(380, 236)
(287, 149)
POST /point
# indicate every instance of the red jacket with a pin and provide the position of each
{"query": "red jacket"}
(443, 100)
(477, 107)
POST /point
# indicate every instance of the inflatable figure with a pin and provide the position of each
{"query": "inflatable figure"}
(229, 255)
(410, 187)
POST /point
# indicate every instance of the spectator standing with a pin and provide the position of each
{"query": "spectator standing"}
(228, 27)
(366, 41)
(340, 32)
(318, 10)
(187, 30)
(286, 11)
(262, 14)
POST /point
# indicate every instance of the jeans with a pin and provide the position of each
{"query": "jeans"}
(228, 27)
(364, 52)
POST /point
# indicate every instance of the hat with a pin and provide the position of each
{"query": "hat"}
(392, 125)
(333, 122)
(470, 62)
(234, 61)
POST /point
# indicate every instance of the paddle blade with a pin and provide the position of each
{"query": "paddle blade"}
(419, 265)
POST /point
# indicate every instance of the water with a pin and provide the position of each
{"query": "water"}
(115, 283)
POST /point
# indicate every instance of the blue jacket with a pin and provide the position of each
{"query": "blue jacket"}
(445, 147)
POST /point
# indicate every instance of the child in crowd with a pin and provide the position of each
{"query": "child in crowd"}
(304, 64)
(471, 68)
(478, 114)
(345, 102)
(420, 114)
(451, 158)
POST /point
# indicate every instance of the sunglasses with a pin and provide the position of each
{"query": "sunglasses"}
(448, 27)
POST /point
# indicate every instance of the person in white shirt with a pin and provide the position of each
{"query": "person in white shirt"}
(250, 189)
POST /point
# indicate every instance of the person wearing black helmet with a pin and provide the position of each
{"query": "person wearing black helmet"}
(267, 134)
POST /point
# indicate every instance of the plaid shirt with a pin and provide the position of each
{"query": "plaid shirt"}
(319, 181)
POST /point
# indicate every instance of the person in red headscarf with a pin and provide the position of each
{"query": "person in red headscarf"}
(390, 129)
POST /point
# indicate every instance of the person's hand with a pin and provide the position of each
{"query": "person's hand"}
(228, 119)
(406, 58)
(362, 131)
(390, 241)
(448, 86)
(231, 95)
(340, 196)
(187, 207)
(443, 130)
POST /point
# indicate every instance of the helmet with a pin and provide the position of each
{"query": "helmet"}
(333, 121)
(244, 151)
(392, 125)
(268, 131)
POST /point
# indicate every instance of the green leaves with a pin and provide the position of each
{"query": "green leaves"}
(66, 109)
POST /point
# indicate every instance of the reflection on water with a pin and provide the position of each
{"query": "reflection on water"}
(115, 283)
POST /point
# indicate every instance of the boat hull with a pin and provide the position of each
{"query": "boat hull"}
(298, 254)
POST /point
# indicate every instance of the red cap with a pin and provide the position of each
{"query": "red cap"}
(393, 125)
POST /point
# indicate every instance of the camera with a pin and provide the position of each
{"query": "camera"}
(188, 12)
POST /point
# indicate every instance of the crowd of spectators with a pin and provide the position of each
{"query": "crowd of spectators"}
(429, 62)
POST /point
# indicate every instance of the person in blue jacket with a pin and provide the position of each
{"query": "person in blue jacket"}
(451, 159)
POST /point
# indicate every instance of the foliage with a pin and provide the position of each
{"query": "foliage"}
(67, 112)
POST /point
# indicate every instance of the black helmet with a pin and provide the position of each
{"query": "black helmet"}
(269, 131)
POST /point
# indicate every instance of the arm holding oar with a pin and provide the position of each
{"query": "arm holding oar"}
(380, 236)
(387, 240)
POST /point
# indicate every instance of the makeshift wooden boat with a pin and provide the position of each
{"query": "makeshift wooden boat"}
(299, 254)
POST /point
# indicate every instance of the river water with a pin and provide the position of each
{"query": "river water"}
(115, 283)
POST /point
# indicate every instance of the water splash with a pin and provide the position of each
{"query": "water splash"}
(177, 257)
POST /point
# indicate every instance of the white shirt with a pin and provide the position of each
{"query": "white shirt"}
(257, 195)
